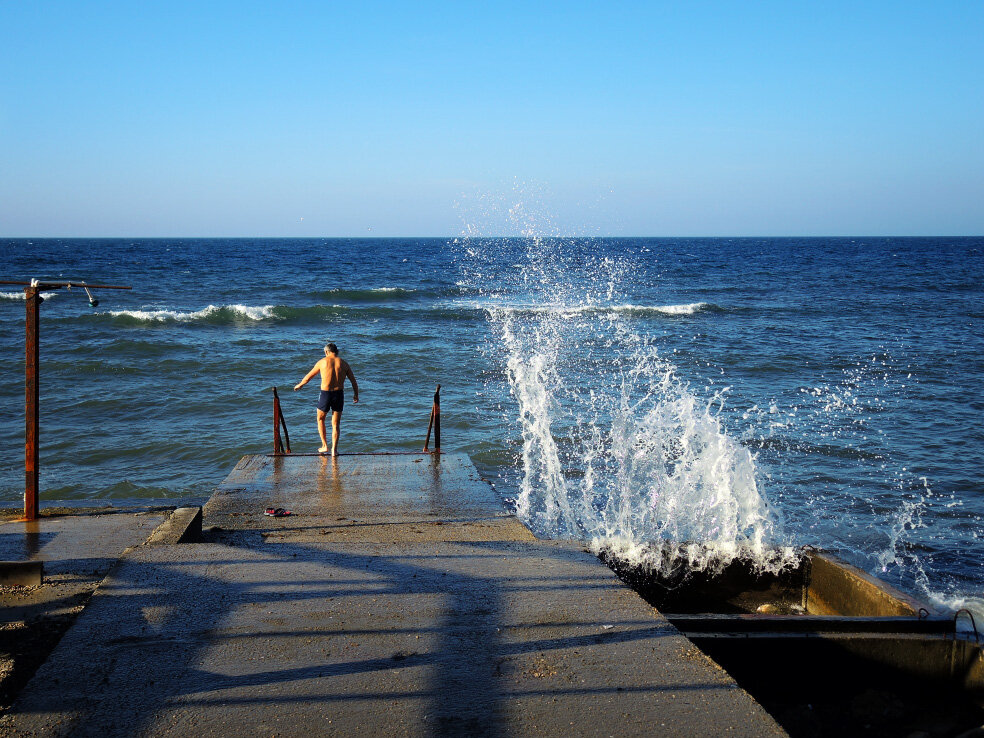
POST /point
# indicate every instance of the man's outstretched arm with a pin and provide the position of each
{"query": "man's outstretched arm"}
(355, 385)
(307, 379)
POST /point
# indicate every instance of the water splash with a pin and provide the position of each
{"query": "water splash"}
(908, 518)
(615, 447)
(874, 509)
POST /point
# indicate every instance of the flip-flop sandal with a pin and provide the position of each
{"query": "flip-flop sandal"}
(277, 512)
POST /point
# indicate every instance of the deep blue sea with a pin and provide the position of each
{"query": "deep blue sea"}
(823, 391)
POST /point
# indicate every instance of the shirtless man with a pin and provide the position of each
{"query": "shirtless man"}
(333, 373)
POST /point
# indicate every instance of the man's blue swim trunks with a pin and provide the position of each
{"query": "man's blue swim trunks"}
(331, 401)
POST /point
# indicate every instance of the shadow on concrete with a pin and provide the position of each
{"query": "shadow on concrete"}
(437, 637)
(150, 638)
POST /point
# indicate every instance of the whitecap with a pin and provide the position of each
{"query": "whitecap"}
(688, 309)
(248, 312)
(20, 295)
(562, 310)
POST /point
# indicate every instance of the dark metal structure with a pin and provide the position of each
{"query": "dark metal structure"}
(33, 299)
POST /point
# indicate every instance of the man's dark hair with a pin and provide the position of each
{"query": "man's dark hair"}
(332, 348)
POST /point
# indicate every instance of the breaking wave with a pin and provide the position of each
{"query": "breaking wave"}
(313, 314)
(210, 314)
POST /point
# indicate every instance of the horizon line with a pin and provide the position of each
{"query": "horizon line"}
(491, 236)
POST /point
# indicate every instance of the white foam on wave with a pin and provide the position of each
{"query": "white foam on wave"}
(22, 296)
(343, 290)
(688, 309)
(247, 312)
(955, 604)
(587, 309)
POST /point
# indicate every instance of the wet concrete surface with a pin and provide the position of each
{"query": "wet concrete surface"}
(399, 599)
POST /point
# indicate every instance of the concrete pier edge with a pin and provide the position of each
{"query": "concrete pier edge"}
(184, 525)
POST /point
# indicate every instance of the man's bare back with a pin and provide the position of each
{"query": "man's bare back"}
(333, 372)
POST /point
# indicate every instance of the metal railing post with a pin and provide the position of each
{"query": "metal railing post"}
(437, 420)
(279, 447)
(435, 423)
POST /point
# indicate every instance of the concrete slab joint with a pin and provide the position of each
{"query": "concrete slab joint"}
(183, 526)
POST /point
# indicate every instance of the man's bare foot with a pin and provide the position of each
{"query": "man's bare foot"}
(334, 452)
(323, 450)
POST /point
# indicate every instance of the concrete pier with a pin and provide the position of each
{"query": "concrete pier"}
(400, 599)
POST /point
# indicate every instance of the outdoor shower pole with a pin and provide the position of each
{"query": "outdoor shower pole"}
(33, 300)
(32, 297)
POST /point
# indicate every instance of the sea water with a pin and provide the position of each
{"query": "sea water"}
(732, 396)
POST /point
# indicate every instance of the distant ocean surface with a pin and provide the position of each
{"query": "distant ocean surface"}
(837, 379)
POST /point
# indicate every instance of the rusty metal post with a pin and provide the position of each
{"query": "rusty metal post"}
(278, 446)
(437, 420)
(435, 423)
(33, 299)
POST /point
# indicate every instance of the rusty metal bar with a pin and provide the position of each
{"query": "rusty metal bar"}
(31, 404)
(55, 285)
(278, 420)
(437, 420)
(973, 623)
(435, 423)
(430, 425)
(283, 422)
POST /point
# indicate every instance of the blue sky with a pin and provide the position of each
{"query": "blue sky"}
(416, 119)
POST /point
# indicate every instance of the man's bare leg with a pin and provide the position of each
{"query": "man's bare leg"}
(336, 421)
(321, 431)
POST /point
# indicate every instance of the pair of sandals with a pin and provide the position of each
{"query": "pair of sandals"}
(277, 512)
